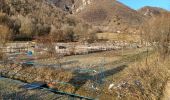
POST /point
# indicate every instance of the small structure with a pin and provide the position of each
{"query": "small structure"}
(61, 49)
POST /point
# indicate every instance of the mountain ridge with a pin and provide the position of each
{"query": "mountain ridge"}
(150, 11)
(106, 15)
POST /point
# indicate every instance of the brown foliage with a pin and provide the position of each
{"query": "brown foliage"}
(1, 55)
(4, 34)
(35, 18)
(158, 30)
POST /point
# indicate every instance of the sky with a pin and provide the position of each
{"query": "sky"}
(137, 4)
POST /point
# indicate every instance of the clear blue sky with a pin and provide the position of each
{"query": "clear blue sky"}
(136, 4)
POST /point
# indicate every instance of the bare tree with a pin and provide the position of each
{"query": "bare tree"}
(157, 32)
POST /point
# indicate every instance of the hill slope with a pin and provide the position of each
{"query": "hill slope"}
(107, 15)
(151, 11)
(38, 10)
(32, 18)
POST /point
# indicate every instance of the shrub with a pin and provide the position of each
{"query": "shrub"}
(69, 34)
(27, 27)
(72, 20)
(12, 24)
(5, 34)
(57, 35)
(42, 29)
(1, 55)
(92, 37)
(81, 30)
(3, 17)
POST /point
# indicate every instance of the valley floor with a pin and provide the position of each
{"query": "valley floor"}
(118, 66)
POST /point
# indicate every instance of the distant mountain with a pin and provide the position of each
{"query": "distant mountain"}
(107, 15)
(151, 11)
(42, 16)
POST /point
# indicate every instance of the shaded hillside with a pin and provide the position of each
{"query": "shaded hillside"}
(33, 18)
(38, 10)
(151, 11)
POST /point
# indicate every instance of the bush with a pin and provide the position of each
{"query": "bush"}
(42, 29)
(3, 17)
(1, 55)
(56, 35)
(6, 20)
(27, 27)
(69, 34)
(10, 24)
(92, 37)
(5, 34)
(72, 20)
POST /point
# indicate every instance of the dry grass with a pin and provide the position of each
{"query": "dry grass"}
(142, 81)
(153, 78)
(118, 37)
(4, 34)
